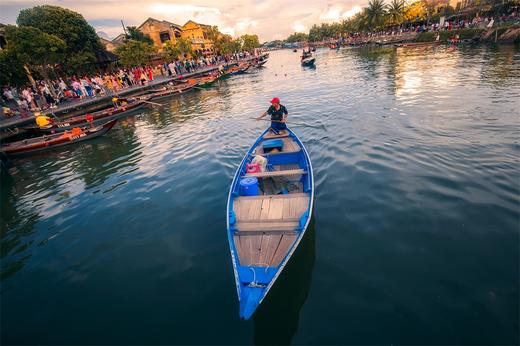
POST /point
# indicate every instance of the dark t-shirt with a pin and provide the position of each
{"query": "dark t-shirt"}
(277, 114)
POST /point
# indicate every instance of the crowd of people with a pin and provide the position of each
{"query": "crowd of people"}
(48, 94)
(454, 23)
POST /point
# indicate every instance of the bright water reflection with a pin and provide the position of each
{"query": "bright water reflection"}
(416, 229)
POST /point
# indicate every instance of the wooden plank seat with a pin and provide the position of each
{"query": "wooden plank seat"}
(289, 146)
(262, 226)
(273, 136)
(281, 173)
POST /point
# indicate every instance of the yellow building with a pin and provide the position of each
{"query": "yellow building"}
(109, 45)
(198, 34)
(160, 31)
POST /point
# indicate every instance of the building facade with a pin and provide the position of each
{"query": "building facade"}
(160, 31)
(198, 35)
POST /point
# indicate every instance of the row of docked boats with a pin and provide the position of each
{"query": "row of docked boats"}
(68, 130)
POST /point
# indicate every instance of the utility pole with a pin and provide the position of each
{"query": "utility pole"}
(124, 27)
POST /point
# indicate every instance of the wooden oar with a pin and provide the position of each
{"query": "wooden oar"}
(290, 122)
(154, 103)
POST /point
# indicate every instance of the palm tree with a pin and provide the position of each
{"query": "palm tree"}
(396, 11)
(376, 12)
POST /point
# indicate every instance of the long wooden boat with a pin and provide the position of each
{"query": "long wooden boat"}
(206, 81)
(418, 44)
(265, 229)
(159, 94)
(95, 118)
(48, 142)
(237, 70)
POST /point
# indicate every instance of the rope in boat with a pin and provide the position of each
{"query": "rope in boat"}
(253, 283)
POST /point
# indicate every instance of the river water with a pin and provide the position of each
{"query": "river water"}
(415, 235)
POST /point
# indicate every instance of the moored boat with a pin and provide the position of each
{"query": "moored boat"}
(172, 90)
(48, 142)
(206, 81)
(269, 209)
(418, 44)
(308, 61)
(96, 118)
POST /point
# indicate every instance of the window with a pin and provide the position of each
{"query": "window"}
(164, 36)
(177, 34)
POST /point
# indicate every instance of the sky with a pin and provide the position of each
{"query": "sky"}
(270, 19)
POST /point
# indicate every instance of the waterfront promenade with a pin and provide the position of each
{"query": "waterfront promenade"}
(6, 125)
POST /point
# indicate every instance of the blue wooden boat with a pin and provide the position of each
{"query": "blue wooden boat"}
(308, 61)
(266, 220)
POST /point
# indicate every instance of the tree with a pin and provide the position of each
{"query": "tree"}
(396, 12)
(13, 72)
(180, 48)
(134, 34)
(415, 11)
(35, 49)
(249, 42)
(80, 38)
(133, 53)
(376, 13)
(297, 37)
(235, 45)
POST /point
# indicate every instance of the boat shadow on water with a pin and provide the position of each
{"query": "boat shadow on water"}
(277, 318)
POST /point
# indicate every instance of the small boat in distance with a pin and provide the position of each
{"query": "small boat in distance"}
(48, 142)
(268, 212)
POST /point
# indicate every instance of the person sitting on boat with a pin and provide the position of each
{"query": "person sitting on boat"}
(42, 120)
(278, 115)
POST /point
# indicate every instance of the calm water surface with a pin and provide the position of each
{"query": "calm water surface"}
(415, 239)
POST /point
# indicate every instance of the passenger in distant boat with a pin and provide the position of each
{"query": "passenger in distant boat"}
(278, 115)
(42, 120)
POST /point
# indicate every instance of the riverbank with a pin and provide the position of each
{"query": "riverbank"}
(9, 127)
(504, 34)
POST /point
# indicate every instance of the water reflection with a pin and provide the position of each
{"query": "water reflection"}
(276, 321)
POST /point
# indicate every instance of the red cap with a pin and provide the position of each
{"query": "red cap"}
(275, 100)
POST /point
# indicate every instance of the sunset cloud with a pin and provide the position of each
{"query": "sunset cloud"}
(270, 19)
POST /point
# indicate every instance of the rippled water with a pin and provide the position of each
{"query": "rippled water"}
(415, 237)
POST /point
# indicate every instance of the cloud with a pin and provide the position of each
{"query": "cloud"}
(299, 27)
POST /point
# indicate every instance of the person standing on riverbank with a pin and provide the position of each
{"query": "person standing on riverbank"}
(278, 115)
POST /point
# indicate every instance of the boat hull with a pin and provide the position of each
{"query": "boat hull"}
(254, 280)
(46, 143)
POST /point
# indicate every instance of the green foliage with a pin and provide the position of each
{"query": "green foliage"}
(325, 31)
(134, 53)
(80, 38)
(376, 12)
(396, 12)
(34, 47)
(178, 49)
(30, 47)
(249, 42)
(12, 68)
(297, 37)
(134, 34)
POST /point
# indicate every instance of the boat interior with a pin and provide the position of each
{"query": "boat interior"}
(266, 224)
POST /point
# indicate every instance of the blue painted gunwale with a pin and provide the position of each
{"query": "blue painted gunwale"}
(246, 311)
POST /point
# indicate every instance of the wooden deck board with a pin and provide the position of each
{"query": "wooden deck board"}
(284, 246)
(268, 209)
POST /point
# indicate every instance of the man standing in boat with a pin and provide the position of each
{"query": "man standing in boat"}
(278, 115)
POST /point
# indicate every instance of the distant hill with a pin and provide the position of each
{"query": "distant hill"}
(104, 35)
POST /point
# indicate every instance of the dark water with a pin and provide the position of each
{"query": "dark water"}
(415, 237)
